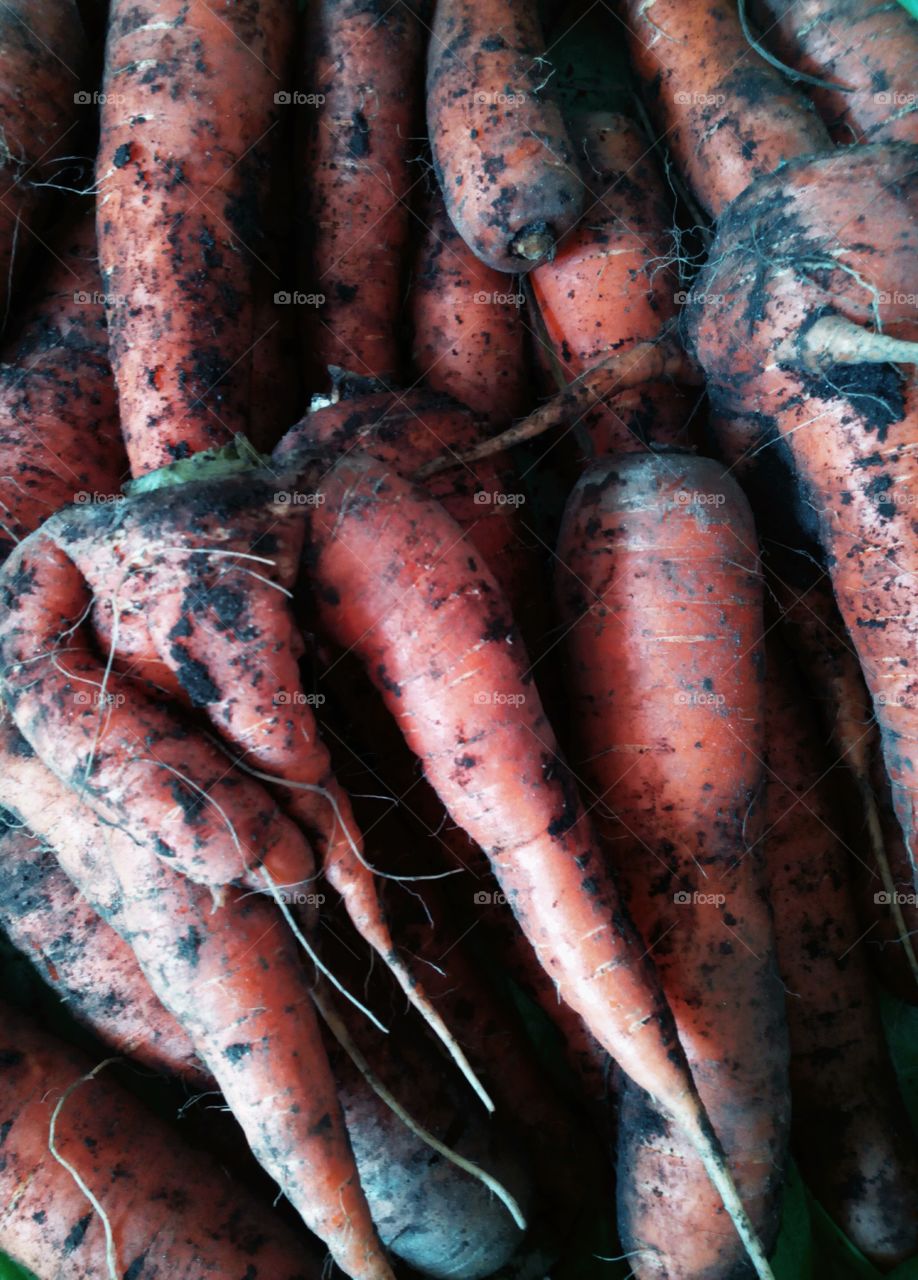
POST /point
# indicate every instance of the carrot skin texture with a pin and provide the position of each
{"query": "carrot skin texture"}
(871, 49)
(83, 960)
(180, 172)
(503, 159)
(42, 51)
(607, 288)
(59, 430)
(469, 340)
(428, 622)
(729, 116)
(662, 601)
(357, 176)
(850, 427)
(854, 1150)
(229, 973)
(174, 1213)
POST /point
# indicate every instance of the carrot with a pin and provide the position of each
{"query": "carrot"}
(806, 359)
(364, 63)
(42, 50)
(395, 582)
(171, 1211)
(179, 221)
(500, 150)
(854, 1150)
(469, 337)
(82, 959)
(729, 116)
(59, 434)
(661, 598)
(228, 971)
(864, 55)
(609, 285)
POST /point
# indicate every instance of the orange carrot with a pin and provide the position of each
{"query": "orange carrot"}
(93, 1186)
(363, 63)
(500, 150)
(661, 598)
(180, 222)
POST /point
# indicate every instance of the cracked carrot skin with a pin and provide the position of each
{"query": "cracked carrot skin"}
(501, 153)
(850, 426)
(429, 623)
(608, 285)
(468, 333)
(59, 429)
(181, 173)
(174, 1213)
(366, 60)
(729, 116)
(661, 598)
(42, 51)
(871, 49)
(134, 761)
(854, 1151)
(229, 971)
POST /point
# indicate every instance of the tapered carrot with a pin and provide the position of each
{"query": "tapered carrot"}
(501, 153)
(60, 439)
(363, 63)
(468, 333)
(855, 1152)
(661, 596)
(729, 116)
(865, 56)
(428, 622)
(94, 1186)
(180, 218)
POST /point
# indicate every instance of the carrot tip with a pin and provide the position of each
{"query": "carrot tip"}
(533, 242)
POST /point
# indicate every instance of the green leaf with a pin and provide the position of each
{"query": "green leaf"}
(12, 1270)
(793, 1257)
(839, 1259)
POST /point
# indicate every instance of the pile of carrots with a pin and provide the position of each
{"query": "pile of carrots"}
(458, 638)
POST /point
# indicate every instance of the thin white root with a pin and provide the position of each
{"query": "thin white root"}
(304, 942)
(341, 1034)
(111, 1252)
(834, 340)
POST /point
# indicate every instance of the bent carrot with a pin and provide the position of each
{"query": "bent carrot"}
(502, 156)
(661, 597)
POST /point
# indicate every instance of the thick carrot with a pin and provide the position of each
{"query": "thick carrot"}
(228, 970)
(186, 132)
(865, 54)
(469, 337)
(363, 64)
(42, 51)
(82, 959)
(60, 438)
(661, 596)
(395, 582)
(729, 116)
(805, 358)
(172, 1211)
(855, 1152)
(500, 150)
(610, 285)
